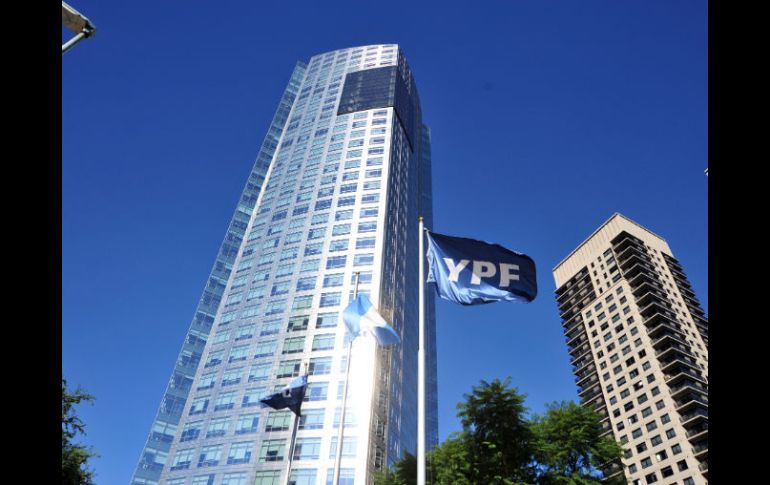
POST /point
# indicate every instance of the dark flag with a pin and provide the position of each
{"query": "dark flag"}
(471, 272)
(290, 397)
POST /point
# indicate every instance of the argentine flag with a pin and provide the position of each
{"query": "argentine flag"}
(360, 316)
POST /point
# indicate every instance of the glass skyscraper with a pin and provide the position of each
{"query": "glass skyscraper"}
(336, 189)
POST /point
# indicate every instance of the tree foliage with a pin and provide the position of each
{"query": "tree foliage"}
(569, 446)
(74, 457)
(500, 446)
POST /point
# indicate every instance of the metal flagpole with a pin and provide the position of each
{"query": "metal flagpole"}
(291, 448)
(293, 438)
(421, 367)
(338, 458)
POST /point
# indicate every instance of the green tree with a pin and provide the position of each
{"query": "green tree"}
(569, 447)
(404, 473)
(498, 436)
(74, 457)
(499, 446)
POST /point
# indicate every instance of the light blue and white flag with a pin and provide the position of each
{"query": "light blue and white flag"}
(360, 316)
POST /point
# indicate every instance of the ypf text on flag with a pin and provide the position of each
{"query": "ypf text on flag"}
(471, 272)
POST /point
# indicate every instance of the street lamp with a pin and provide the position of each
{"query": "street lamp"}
(77, 23)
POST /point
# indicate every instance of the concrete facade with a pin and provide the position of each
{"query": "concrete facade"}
(639, 345)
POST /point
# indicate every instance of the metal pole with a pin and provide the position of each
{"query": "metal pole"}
(338, 457)
(291, 448)
(70, 43)
(293, 438)
(421, 368)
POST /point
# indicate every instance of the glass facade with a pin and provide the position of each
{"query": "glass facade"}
(337, 188)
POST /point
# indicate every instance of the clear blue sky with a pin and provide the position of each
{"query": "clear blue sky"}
(547, 118)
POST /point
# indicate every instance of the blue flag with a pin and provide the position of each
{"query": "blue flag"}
(360, 316)
(290, 397)
(471, 272)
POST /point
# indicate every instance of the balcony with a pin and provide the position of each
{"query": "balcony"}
(652, 296)
(573, 323)
(700, 449)
(665, 326)
(590, 393)
(691, 400)
(572, 284)
(639, 268)
(672, 349)
(681, 365)
(694, 417)
(584, 380)
(630, 257)
(579, 352)
(698, 432)
(644, 283)
(656, 306)
(628, 251)
(625, 240)
(688, 385)
(576, 339)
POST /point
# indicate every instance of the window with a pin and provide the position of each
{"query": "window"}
(302, 302)
(336, 262)
(320, 366)
(270, 327)
(215, 358)
(303, 476)
(252, 396)
(182, 459)
(207, 381)
(330, 299)
(646, 463)
(247, 423)
(682, 465)
(272, 450)
(307, 449)
(326, 320)
(298, 323)
(217, 427)
(266, 349)
(652, 425)
(210, 456)
(259, 372)
(238, 353)
(670, 433)
(316, 391)
(363, 260)
(226, 400)
(323, 341)
(651, 478)
(661, 455)
(304, 284)
(278, 421)
(293, 345)
(232, 376)
(349, 446)
(240, 453)
(288, 368)
(245, 332)
(333, 280)
(341, 230)
(199, 405)
(191, 431)
(238, 478)
(365, 243)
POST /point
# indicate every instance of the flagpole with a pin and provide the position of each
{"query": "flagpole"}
(421, 367)
(293, 438)
(338, 457)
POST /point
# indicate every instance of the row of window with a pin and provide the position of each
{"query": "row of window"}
(271, 450)
(299, 476)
